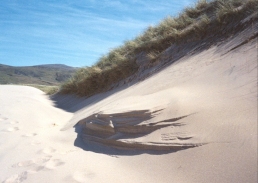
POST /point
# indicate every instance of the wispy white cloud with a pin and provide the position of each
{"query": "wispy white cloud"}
(73, 31)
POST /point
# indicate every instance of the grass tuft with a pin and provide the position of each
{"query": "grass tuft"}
(201, 4)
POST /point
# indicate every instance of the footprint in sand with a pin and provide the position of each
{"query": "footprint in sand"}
(82, 176)
(43, 160)
(3, 118)
(52, 164)
(36, 166)
(48, 150)
(29, 135)
(23, 164)
(13, 122)
(34, 143)
(17, 178)
(12, 129)
(35, 169)
(37, 161)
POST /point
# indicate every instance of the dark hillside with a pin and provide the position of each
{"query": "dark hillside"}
(40, 74)
(55, 66)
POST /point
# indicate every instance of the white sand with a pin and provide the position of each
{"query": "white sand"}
(217, 88)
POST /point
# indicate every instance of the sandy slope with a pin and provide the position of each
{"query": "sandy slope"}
(214, 91)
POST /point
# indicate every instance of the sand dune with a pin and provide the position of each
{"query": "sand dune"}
(192, 121)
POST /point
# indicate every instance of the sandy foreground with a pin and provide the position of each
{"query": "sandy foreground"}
(214, 91)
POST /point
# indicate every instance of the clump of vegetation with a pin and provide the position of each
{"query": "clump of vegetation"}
(95, 79)
(192, 24)
(229, 10)
(50, 90)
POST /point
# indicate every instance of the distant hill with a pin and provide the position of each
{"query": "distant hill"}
(49, 74)
(57, 66)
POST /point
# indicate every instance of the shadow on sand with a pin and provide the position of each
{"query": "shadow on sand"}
(103, 149)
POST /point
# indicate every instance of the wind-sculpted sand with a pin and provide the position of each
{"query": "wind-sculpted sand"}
(191, 121)
(122, 131)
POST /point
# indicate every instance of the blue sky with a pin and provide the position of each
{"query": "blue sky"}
(74, 32)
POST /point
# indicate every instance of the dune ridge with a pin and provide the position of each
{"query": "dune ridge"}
(141, 114)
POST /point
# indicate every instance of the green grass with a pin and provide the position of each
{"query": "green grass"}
(193, 23)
